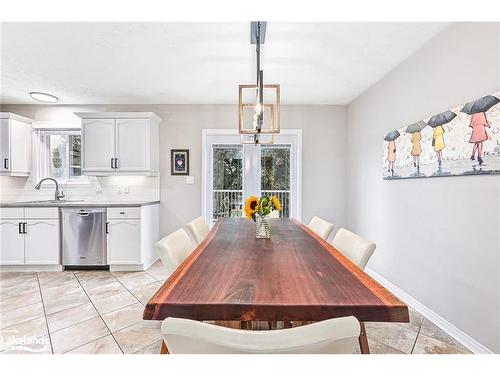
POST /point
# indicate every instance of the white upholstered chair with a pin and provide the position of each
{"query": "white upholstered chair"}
(198, 229)
(354, 247)
(338, 335)
(321, 227)
(173, 249)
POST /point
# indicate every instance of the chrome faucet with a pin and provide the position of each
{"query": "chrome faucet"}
(59, 194)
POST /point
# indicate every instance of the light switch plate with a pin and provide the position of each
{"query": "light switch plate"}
(190, 180)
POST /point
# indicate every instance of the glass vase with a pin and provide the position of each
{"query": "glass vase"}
(262, 227)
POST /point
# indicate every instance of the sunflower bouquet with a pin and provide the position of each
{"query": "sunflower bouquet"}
(258, 210)
(262, 207)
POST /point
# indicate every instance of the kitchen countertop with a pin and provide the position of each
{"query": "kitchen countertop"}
(76, 203)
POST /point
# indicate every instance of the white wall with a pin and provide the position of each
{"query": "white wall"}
(324, 133)
(437, 239)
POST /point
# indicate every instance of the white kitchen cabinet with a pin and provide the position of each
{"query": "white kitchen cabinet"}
(124, 243)
(29, 236)
(98, 137)
(133, 135)
(120, 143)
(132, 233)
(15, 144)
(12, 242)
(41, 244)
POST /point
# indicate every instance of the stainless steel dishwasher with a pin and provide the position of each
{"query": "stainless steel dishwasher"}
(83, 236)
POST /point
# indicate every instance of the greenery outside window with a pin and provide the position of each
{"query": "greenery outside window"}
(59, 155)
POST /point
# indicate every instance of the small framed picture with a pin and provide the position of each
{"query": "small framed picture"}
(179, 162)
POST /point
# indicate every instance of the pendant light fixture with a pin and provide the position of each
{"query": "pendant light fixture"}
(259, 104)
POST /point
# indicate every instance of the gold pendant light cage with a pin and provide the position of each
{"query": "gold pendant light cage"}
(249, 109)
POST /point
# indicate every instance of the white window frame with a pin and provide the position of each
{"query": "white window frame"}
(55, 126)
(231, 136)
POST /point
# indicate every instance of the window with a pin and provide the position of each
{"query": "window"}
(59, 155)
(275, 174)
(227, 180)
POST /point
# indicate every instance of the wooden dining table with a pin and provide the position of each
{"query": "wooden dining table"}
(293, 276)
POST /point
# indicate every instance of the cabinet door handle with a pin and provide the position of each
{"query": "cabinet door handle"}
(25, 228)
(107, 227)
(112, 165)
(6, 163)
(116, 163)
(21, 228)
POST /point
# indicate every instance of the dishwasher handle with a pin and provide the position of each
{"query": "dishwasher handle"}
(84, 212)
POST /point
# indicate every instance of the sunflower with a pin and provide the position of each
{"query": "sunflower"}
(251, 205)
(276, 203)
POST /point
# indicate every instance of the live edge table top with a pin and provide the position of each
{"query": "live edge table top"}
(293, 276)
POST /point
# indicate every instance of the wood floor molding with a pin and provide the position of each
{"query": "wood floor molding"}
(469, 342)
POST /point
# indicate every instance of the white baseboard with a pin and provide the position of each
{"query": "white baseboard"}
(31, 268)
(438, 320)
(126, 267)
(150, 263)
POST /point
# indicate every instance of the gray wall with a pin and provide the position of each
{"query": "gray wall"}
(323, 148)
(437, 239)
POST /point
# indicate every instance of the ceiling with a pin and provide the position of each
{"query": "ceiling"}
(199, 63)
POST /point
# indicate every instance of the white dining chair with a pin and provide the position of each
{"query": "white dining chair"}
(183, 336)
(354, 247)
(321, 227)
(173, 249)
(198, 229)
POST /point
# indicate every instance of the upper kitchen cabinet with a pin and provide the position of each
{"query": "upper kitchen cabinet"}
(15, 144)
(124, 143)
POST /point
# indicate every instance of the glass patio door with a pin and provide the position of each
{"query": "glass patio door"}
(227, 180)
(234, 171)
(275, 173)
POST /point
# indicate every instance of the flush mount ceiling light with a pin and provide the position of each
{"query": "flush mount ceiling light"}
(44, 97)
(259, 104)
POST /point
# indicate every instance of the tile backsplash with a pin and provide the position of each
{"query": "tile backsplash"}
(113, 188)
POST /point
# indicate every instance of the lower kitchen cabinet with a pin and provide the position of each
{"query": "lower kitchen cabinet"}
(12, 242)
(41, 243)
(124, 241)
(132, 233)
(29, 236)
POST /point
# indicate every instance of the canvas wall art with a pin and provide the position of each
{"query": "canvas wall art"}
(462, 141)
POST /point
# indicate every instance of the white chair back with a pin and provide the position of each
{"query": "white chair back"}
(321, 227)
(354, 247)
(198, 229)
(173, 249)
(183, 336)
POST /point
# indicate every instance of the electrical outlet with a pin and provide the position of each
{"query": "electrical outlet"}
(190, 180)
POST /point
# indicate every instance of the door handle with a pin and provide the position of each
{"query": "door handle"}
(6, 163)
(112, 165)
(21, 228)
(25, 228)
(116, 163)
(107, 227)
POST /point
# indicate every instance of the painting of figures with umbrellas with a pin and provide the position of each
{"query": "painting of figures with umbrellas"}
(462, 141)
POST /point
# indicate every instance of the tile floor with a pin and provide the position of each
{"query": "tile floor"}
(101, 312)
